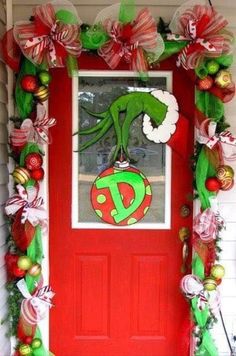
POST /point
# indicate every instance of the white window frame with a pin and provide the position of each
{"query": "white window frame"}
(75, 156)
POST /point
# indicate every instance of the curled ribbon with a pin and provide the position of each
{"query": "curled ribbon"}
(34, 307)
(206, 134)
(48, 39)
(202, 26)
(205, 226)
(36, 131)
(130, 41)
(32, 206)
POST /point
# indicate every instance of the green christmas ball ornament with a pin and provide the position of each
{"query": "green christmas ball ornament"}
(45, 77)
(36, 343)
(24, 263)
(25, 350)
(212, 67)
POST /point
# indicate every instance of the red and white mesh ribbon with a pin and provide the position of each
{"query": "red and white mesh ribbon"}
(129, 41)
(202, 26)
(34, 307)
(32, 206)
(206, 134)
(48, 39)
(36, 131)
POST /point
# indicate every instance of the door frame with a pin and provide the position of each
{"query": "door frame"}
(167, 65)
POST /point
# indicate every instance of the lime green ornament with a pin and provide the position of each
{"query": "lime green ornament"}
(212, 67)
(45, 77)
(36, 343)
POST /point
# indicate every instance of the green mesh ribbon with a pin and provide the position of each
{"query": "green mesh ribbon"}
(171, 48)
(41, 351)
(24, 100)
(209, 105)
(204, 169)
(35, 252)
(127, 11)
(67, 17)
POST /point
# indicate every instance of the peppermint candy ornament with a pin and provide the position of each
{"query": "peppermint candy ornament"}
(33, 161)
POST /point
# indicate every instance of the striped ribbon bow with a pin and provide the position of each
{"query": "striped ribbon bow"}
(47, 39)
(201, 26)
(129, 41)
(36, 131)
(32, 206)
(206, 134)
(34, 307)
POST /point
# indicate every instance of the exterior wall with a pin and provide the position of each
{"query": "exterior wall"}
(4, 342)
(87, 10)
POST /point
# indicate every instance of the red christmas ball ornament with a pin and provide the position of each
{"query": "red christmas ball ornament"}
(212, 184)
(18, 272)
(33, 161)
(37, 174)
(28, 340)
(205, 83)
(29, 83)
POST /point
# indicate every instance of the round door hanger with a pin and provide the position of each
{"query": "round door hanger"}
(121, 195)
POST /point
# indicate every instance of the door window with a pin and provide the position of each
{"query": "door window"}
(95, 91)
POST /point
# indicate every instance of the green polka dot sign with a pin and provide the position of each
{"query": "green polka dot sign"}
(121, 196)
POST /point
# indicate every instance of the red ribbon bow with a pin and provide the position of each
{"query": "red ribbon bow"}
(129, 41)
(201, 26)
(47, 39)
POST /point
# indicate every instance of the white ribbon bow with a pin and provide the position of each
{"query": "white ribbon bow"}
(210, 139)
(34, 307)
(32, 206)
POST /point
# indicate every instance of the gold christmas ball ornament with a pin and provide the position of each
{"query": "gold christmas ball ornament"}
(42, 93)
(224, 171)
(35, 270)
(209, 284)
(36, 343)
(223, 78)
(217, 271)
(21, 175)
(25, 350)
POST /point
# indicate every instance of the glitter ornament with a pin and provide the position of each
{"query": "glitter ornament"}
(25, 350)
(21, 175)
(18, 272)
(29, 83)
(37, 174)
(227, 183)
(33, 161)
(223, 79)
(205, 83)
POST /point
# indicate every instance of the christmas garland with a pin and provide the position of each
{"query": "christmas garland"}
(55, 37)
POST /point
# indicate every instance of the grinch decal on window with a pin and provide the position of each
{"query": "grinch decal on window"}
(121, 195)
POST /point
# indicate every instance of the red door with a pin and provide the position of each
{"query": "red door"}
(117, 291)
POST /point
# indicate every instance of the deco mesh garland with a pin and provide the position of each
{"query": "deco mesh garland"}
(55, 37)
